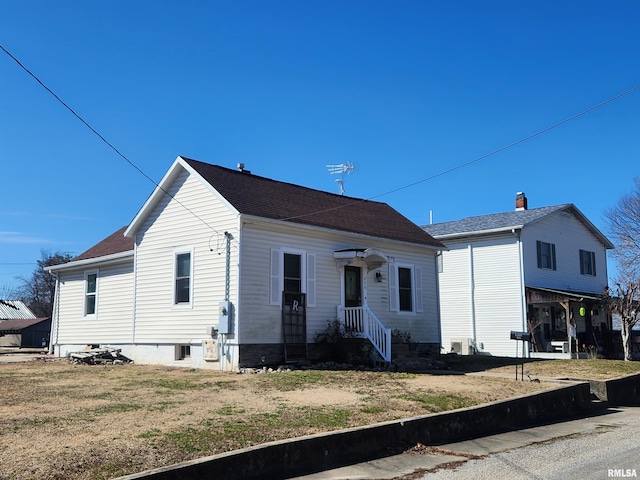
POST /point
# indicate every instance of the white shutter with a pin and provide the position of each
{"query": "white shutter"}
(393, 282)
(418, 274)
(275, 293)
(311, 280)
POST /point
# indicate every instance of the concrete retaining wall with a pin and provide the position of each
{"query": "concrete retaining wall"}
(300, 456)
(618, 391)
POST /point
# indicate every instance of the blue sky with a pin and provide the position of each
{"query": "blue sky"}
(403, 89)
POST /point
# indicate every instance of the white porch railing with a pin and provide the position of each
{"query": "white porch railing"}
(363, 321)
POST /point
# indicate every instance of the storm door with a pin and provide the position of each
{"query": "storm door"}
(352, 286)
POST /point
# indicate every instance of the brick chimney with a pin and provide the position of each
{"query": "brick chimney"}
(521, 201)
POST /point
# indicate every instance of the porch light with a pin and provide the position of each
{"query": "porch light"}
(378, 276)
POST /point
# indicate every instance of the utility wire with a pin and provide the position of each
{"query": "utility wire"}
(444, 172)
(109, 144)
(482, 157)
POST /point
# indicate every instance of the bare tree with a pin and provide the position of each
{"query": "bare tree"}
(8, 293)
(623, 220)
(624, 300)
(38, 291)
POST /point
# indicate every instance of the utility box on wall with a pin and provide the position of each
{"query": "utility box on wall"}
(224, 317)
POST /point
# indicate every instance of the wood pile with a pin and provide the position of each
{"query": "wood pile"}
(99, 356)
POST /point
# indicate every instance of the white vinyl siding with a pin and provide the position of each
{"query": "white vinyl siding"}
(480, 293)
(114, 303)
(261, 317)
(171, 229)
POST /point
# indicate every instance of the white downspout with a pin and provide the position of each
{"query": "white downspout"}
(53, 334)
(472, 294)
(523, 298)
(135, 294)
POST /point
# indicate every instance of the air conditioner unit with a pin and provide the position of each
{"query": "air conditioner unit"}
(462, 346)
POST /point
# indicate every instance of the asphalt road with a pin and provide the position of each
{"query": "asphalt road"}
(610, 450)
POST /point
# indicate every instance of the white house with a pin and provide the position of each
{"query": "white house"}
(222, 269)
(537, 270)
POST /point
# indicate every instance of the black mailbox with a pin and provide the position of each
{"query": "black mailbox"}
(523, 336)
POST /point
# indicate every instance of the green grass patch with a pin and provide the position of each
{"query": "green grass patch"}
(241, 432)
(115, 408)
(230, 410)
(437, 402)
(289, 381)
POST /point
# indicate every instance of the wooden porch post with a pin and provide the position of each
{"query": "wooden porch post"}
(567, 317)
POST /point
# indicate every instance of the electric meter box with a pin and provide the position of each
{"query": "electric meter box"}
(224, 317)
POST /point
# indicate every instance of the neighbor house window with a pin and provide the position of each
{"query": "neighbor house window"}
(546, 255)
(587, 263)
(183, 278)
(90, 293)
(405, 288)
(292, 270)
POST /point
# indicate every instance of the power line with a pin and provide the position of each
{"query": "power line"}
(109, 144)
(444, 172)
(482, 157)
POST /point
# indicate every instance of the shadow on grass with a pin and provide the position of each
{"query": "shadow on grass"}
(479, 363)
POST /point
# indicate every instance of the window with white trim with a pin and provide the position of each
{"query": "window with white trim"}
(405, 288)
(90, 293)
(587, 263)
(183, 277)
(292, 270)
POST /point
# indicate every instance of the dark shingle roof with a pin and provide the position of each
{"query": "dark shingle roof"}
(9, 326)
(262, 197)
(495, 221)
(114, 243)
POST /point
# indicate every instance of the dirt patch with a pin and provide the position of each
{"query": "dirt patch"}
(61, 421)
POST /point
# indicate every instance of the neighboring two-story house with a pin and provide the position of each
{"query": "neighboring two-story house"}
(539, 270)
(222, 269)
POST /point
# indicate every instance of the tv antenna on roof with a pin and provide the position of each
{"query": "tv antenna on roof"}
(341, 169)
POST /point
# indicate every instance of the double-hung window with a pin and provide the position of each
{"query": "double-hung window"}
(405, 288)
(294, 271)
(546, 255)
(183, 278)
(587, 263)
(90, 293)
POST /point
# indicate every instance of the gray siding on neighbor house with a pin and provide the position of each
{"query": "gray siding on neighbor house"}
(569, 236)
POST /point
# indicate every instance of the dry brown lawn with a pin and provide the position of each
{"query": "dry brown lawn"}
(61, 421)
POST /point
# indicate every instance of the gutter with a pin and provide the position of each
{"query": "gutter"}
(113, 258)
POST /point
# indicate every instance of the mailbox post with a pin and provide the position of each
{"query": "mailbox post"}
(520, 337)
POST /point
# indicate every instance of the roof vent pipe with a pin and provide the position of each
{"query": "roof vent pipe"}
(521, 201)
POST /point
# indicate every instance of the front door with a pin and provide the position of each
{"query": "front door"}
(352, 286)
